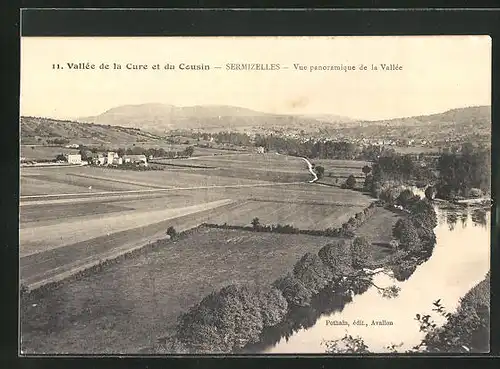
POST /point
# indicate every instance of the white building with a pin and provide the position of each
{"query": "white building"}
(117, 161)
(136, 159)
(74, 158)
(110, 157)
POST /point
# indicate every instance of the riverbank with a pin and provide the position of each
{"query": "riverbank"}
(467, 330)
(459, 261)
(237, 315)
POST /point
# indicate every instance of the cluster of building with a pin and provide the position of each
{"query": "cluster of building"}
(110, 158)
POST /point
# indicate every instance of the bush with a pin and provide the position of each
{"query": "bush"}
(350, 183)
(320, 171)
(172, 232)
(475, 192)
(394, 244)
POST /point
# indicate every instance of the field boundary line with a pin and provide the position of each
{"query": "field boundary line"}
(158, 190)
(141, 184)
(97, 261)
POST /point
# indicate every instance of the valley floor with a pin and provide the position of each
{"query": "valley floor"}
(72, 216)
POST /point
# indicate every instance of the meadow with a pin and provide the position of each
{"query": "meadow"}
(298, 214)
(37, 152)
(129, 305)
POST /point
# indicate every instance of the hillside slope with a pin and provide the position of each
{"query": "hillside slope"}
(471, 123)
(34, 128)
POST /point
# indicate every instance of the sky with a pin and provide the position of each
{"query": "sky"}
(439, 73)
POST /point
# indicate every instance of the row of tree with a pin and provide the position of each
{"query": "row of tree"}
(236, 315)
(460, 173)
(463, 173)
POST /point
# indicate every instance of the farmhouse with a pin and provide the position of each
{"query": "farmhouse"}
(135, 159)
(74, 158)
(98, 159)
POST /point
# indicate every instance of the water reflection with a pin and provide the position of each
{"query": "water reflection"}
(460, 260)
(464, 216)
(451, 219)
(479, 217)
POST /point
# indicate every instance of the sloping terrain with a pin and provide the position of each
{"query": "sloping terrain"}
(39, 129)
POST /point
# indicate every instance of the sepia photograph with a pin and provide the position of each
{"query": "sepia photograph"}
(255, 195)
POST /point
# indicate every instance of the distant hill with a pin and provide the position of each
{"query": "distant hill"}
(35, 128)
(462, 122)
(459, 117)
(122, 124)
(163, 117)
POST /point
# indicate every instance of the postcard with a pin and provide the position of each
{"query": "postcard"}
(255, 195)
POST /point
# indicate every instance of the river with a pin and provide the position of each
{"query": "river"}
(460, 260)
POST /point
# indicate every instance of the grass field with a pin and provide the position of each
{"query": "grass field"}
(378, 230)
(44, 152)
(131, 304)
(32, 186)
(42, 238)
(79, 179)
(128, 305)
(269, 167)
(300, 215)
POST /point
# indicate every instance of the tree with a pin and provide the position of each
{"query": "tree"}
(337, 257)
(293, 290)
(366, 169)
(60, 157)
(320, 171)
(255, 223)
(311, 271)
(405, 232)
(189, 151)
(430, 192)
(350, 182)
(368, 184)
(120, 152)
(360, 252)
(406, 198)
(172, 232)
(226, 320)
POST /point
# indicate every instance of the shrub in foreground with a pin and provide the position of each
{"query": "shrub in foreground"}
(230, 319)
